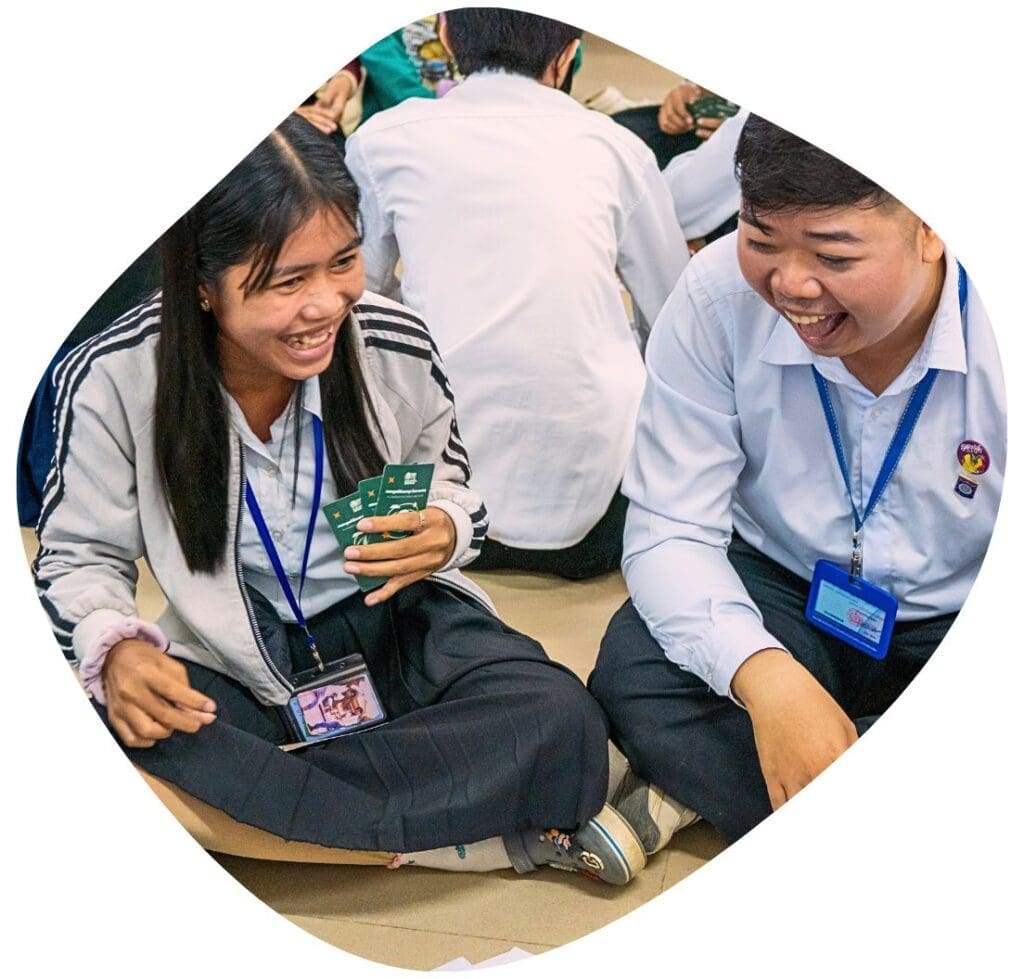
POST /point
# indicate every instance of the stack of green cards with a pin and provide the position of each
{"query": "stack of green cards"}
(397, 489)
(712, 107)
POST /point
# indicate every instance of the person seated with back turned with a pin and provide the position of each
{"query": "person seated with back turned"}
(824, 386)
(511, 207)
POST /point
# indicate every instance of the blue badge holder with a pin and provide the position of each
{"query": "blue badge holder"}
(853, 610)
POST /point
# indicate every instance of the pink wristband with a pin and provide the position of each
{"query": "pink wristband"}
(90, 670)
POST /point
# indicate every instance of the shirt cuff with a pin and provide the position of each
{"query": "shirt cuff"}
(463, 530)
(90, 669)
(728, 646)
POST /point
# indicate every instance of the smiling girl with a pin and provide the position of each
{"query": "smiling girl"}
(261, 356)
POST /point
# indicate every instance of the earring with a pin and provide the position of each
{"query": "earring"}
(204, 305)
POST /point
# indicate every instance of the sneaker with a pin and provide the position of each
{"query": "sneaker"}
(654, 816)
(605, 849)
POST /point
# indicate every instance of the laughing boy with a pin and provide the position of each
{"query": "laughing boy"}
(818, 463)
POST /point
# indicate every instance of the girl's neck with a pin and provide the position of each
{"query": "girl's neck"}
(262, 399)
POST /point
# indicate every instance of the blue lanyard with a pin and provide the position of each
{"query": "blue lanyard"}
(899, 442)
(268, 543)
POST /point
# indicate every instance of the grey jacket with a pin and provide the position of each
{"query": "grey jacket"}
(104, 506)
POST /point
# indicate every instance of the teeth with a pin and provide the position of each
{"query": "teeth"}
(804, 320)
(304, 343)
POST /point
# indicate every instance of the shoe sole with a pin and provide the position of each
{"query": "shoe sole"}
(622, 842)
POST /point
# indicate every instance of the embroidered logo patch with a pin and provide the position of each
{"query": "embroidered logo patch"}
(973, 457)
(966, 487)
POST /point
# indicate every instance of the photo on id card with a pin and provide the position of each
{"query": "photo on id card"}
(342, 703)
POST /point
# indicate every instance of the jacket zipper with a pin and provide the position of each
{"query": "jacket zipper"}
(238, 574)
(447, 583)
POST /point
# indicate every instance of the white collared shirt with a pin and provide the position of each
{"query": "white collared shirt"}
(703, 181)
(511, 207)
(269, 470)
(731, 433)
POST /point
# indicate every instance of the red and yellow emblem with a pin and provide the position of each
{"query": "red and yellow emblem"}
(973, 457)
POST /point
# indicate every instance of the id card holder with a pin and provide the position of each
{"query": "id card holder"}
(859, 613)
(338, 701)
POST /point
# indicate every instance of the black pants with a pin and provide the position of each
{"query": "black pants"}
(643, 122)
(699, 746)
(598, 553)
(486, 735)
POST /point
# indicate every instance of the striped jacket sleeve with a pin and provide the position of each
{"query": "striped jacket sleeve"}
(89, 531)
(411, 365)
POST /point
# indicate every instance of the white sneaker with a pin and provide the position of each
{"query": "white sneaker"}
(654, 816)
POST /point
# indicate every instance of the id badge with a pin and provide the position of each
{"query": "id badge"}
(340, 701)
(857, 612)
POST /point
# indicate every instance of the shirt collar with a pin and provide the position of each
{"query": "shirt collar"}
(311, 405)
(943, 346)
(487, 82)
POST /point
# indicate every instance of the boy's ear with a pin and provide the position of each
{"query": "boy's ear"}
(563, 63)
(932, 246)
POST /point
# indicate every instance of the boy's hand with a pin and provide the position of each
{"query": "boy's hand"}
(708, 126)
(428, 547)
(674, 116)
(799, 730)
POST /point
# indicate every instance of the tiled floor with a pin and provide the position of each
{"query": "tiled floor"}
(419, 918)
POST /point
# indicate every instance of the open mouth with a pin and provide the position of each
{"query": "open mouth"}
(309, 341)
(815, 328)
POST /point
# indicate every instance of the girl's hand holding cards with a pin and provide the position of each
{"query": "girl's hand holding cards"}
(426, 546)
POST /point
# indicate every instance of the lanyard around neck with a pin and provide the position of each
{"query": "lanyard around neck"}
(900, 439)
(268, 542)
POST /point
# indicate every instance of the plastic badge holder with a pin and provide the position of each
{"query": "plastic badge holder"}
(338, 701)
(859, 613)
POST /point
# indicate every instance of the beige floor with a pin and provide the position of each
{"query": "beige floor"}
(418, 918)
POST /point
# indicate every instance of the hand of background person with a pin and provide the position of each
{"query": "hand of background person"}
(148, 695)
(707, 126)
(798, 728)
(673, 116)
(408, 559)
(334, 95)
(319, 117)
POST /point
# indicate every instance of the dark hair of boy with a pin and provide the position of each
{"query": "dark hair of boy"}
(510, 40)
(778, 171)
(247, 217)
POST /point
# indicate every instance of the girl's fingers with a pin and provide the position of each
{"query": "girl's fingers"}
(388, 569)
(393, 586)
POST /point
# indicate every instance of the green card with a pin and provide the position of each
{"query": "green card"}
(404, 488)
(369, 490)
(343, 515)
(712, 107)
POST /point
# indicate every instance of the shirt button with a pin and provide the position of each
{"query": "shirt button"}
(279, 535)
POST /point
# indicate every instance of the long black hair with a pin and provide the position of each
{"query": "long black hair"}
(246, 218)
